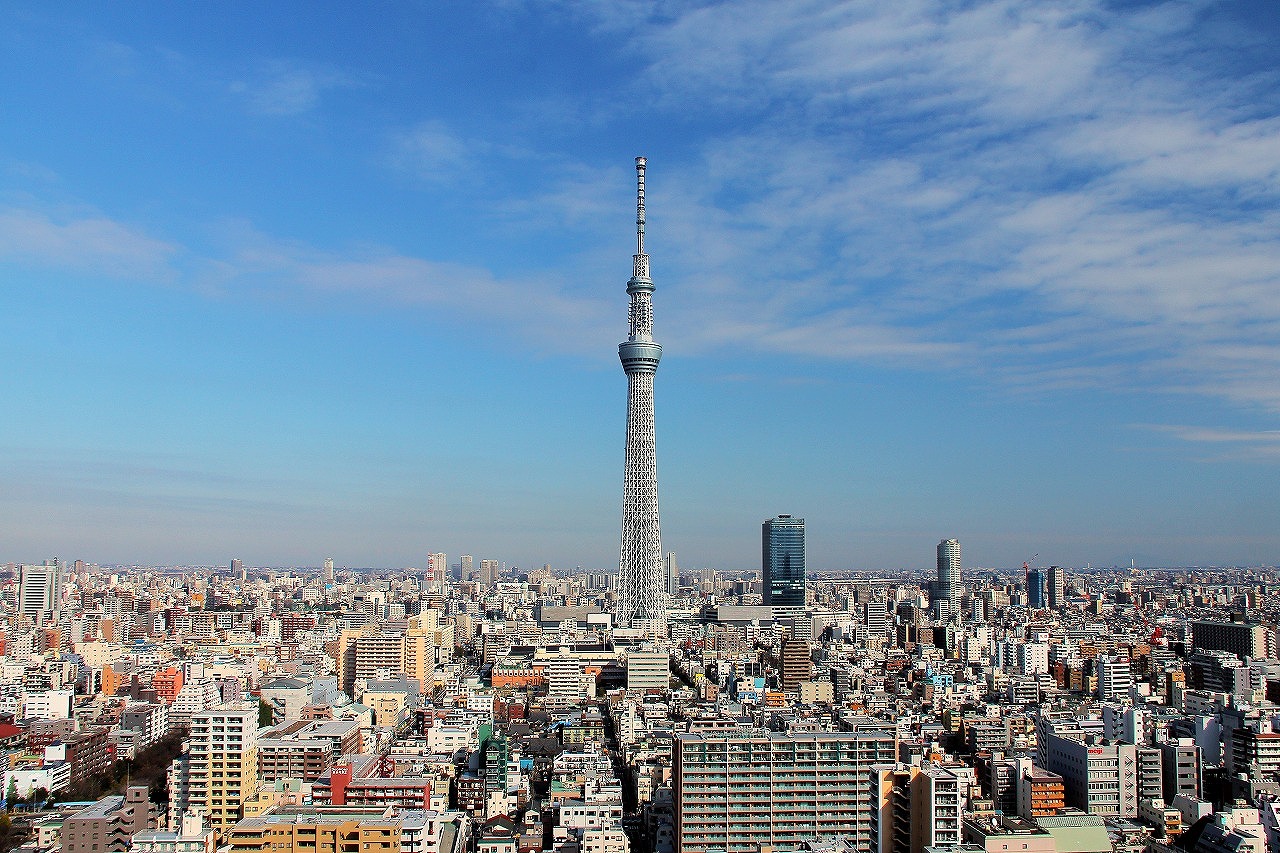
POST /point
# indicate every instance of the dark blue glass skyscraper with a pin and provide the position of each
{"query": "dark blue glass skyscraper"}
(782, 559)
(1036, 589)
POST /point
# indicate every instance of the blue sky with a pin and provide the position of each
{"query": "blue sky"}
(294, 280)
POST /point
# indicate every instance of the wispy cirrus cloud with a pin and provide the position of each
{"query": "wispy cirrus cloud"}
(1217, 435)
(1063, 195)
(542, 306)
(1056, 195)
(288, 88)
(433, 152)
(1228, 443)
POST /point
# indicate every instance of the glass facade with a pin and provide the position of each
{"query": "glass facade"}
(1036, 589)
(782, 560)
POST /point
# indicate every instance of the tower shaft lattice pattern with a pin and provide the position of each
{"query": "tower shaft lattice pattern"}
(641, 580)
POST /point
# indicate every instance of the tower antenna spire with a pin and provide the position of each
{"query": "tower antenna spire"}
(640, 164)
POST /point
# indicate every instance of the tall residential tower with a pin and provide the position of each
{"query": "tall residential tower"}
(641, 580)
(950, 583)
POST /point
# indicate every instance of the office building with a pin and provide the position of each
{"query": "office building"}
(328, 569)
(1115, 678)
(673, 575)
(642, 598)
(1182, 765)
(747, 790)
(648, 670)
(466, 565)
(1099, 777)
(1242, 639)
(1057, 587)
(1037, 595)
(875, 614)
(40, 590)
(950, 582)
(782, 561)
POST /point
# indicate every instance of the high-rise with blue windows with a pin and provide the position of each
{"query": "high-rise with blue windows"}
(1037, 592)
(782, 561)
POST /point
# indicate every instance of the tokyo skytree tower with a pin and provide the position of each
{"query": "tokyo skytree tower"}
(641, 582)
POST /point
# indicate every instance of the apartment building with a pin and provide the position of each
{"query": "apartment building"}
(937, 806)
(223, 767)
(108, 826)
(316, 831)
(745, 790)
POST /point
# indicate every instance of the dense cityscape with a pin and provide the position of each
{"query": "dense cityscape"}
(468, 707)
(913, 489)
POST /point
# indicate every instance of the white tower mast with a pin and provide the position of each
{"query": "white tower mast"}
(641, 584)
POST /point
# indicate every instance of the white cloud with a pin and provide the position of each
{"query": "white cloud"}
(433, 152)
(542, 308)
(1230, 443)
(286, 88)
(83, 242)
(1071, 193)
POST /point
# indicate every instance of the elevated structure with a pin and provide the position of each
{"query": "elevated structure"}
(641, 577)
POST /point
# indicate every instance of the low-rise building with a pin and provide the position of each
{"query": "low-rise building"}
(108, 826)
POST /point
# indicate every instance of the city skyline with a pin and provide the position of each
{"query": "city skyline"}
(265, 273)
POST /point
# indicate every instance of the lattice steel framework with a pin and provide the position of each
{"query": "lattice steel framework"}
(641, 582)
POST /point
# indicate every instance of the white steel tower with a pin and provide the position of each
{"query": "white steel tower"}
(642, 583)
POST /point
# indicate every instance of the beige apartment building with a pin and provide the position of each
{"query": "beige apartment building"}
(223, 764)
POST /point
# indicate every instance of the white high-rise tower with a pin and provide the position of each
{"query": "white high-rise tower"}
(950, 582)
(642, 583)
